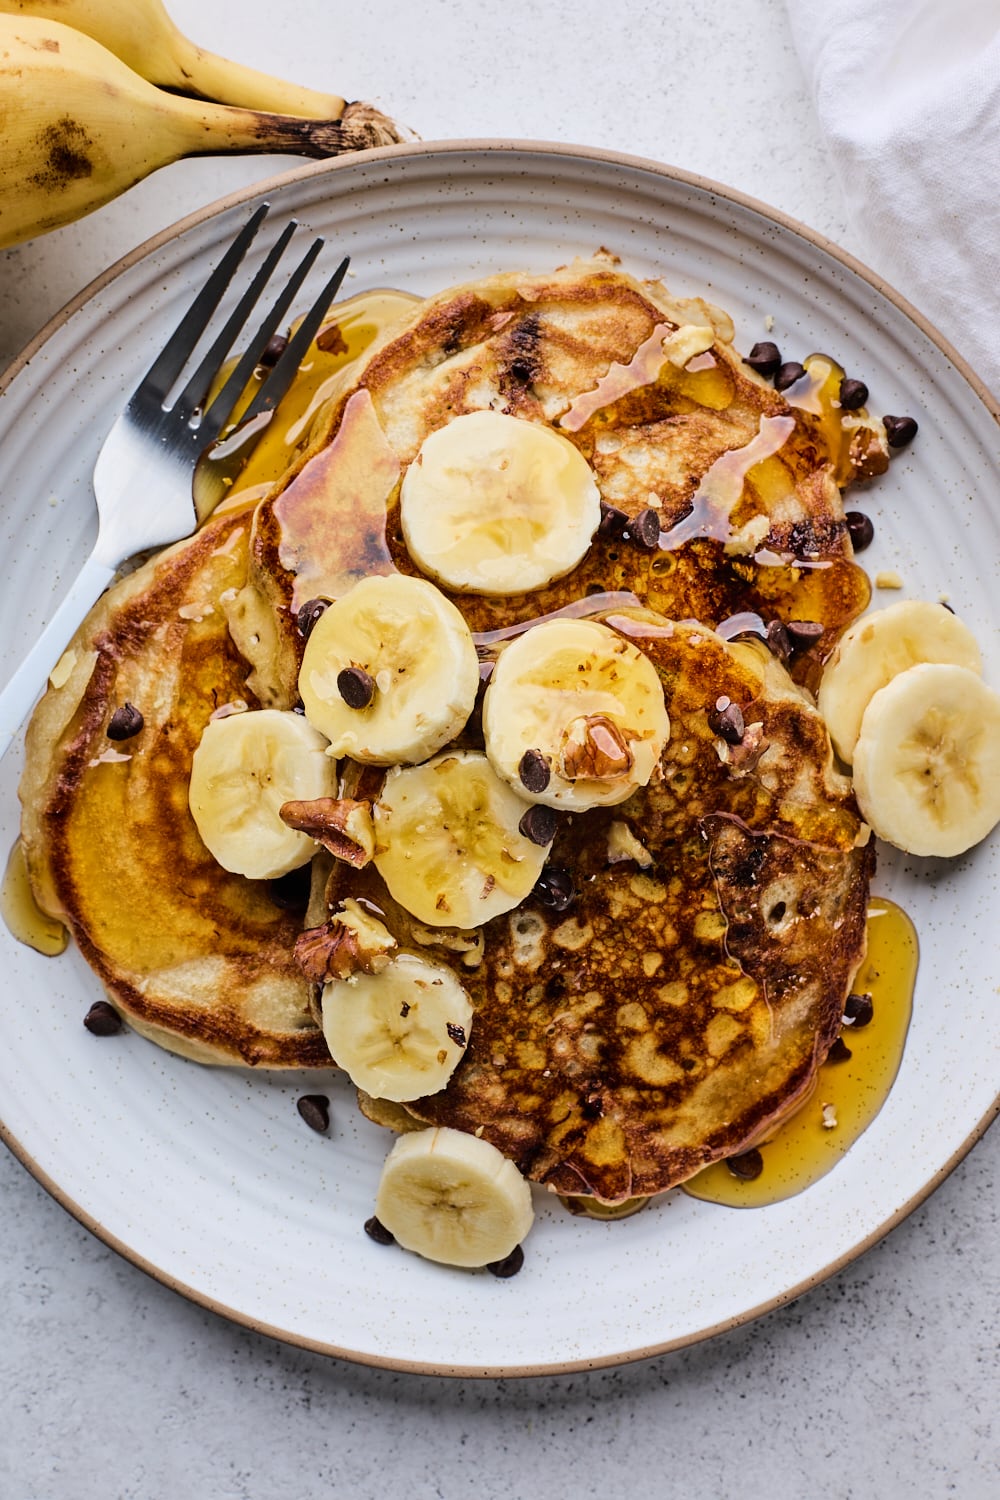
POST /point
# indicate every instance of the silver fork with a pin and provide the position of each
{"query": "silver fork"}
(144, 471)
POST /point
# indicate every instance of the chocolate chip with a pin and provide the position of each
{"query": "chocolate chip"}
(765, 358)
(859, 529)
(554, 888)
(747, 1165)
(533, 769)
(727, 723)
(613, 522)
(273, 350)
(315, 1110)
(291, 892)
(644, 529)
(309, 614)
(457, 1034)
(376, 1230)
(899, 431)
(789, 373)
(858, 1010)
(102, 1019)
(852, 394)
(356, 687)
(124, 722)
(509, 1266)
(839, 1052)
(779, 640)
(803, 633)
(539, 824)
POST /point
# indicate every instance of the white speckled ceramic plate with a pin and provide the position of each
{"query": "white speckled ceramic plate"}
(208, 1178)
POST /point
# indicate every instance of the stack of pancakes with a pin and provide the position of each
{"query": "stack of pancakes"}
(684, 1001)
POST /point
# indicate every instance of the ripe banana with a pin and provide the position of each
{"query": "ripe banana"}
(80, 127)
(141, 33)
(245, 767)
(390, 671)
(877, 648)
(453, 1198)
(494, 504)
(574, 715)
(448, 844)
(399, 1033)
(927, 760)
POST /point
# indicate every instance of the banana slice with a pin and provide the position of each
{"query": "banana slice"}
(574, 715)
(245, 767)
(400, 1033)
(390, 672)
(927, 760)
(448, 844)
(494, 504)
(876, 649)
(453, 1198)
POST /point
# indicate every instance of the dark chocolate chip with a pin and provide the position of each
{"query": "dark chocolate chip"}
(102, 1019)
(457, 1034)
(356, 687)
(533, 769)
(291, 892)
(644, 529)
(309, 614)
(839, 1052)
(509, 1266)
(859, 529)
(778, 640)
(853, 393)
(727, 723)
(858, 1010)
(124, 722)
(747, 1165)
(554, 888)
(273, 350)
(376, 1230)
(539, 824)
(315, 1110)
(789, 373)
(803, 633)
(899, 431)
(765, 358)
(613, 522)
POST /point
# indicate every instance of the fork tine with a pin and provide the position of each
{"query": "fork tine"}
(281, 376)
(176, 351)
(194, 392)
(218, 414)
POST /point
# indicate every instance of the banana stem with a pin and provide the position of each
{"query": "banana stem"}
(242, 131)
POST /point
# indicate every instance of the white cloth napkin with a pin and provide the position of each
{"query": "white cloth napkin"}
(908, 96)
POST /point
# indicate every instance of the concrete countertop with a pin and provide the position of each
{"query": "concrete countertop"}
(881, 1382)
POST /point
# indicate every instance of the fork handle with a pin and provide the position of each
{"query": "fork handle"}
(27, 682)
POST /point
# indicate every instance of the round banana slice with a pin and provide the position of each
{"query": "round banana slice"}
(876, 649)
(927, 760)
(390, 672)
(398, 1034)
(453, 1198)
(494, 504)
(574, 715)
(448, 844)
(245, 767)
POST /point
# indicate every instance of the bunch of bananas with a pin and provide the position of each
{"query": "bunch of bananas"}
(96, 94)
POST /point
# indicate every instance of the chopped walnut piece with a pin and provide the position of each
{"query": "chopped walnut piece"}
(352, 942)
(868, 446)
(595, 748)
(743, 757)
(341, 825)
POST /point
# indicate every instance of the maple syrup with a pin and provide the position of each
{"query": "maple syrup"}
(849, 1093)
(21, 913)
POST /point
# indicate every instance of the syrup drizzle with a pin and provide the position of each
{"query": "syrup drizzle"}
(21, 913)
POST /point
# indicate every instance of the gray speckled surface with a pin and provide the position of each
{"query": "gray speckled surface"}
(881, 1382)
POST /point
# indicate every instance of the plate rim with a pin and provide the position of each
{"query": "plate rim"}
(543, 149)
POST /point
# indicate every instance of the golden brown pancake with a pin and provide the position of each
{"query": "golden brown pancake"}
(195, 958)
